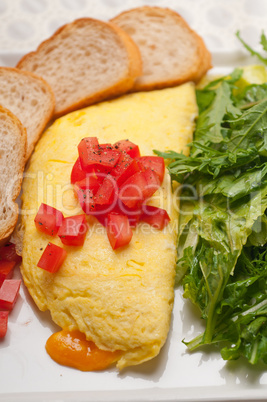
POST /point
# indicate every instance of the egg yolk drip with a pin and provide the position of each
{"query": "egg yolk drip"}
(71, 348)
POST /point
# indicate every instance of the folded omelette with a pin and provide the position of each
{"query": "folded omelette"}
(121, 300)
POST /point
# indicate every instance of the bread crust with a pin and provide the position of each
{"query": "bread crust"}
(123, 84)
(202, 61)
(32, 81)
(7, 226)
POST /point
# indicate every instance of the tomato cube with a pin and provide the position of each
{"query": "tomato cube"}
(77, 173)
(155, 163)
(88, 143)
(90, 182)
(103, 219)
(6, 270)
(3, 323)
(107, 192)
(118, 230)
(156, 217)
(8, 252)
(86, 200)
(9, 292)
(48, 220)
(152, 183)
(105, 146)
(97, 157)
(125, 168)
(73, 230)
(133, 214)
(129, 147)
(132, 191)
(52, 258)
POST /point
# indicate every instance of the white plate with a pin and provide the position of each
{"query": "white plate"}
(26, 372)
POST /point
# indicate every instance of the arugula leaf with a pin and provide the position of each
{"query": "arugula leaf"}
(223, 225)
(212, 117)
(249, 129)
(253, 52)
(263, 41)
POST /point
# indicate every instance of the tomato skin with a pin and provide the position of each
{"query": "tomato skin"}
(77, 173)
(52, 258)
(8, 253)
(152, 183)
(90, 182)
(3, 323)
(133, 214)
(86, 200)
(107, 192)
(105, 146)
(133, 189)
(88, 143)
(103, 159)
(155, 163)
(138, 188)
(129, 147)
(48, 220)
(118, 230)
(73, 230)
(156, 217)
(125, 168)
(9, 292)
(6, 270)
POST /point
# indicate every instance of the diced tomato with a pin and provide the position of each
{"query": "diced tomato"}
(91, 182)
(8, 252)
(129, 147)
(102, 159)
(125, 168)
(6, 270)
(9, 292)
(48, 220)
(3, 323)
(133, 189)
(88, 143)
(156, 217)
(73, 230)
(107, 192)
(133, 214)
(155, 163)
(77, 173)
(118, 230)
(86, 200)
(138, 188)
(152, 183)
(52, 258)
(105, 146)
(103, 219)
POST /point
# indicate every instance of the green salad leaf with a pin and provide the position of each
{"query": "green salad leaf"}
(263, 42)
(222, 257)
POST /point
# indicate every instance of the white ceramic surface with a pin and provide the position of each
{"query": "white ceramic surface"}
(26, 371)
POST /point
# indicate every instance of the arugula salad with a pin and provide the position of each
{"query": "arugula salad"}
(222, 254)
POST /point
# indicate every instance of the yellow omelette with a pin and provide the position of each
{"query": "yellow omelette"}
(121, 300)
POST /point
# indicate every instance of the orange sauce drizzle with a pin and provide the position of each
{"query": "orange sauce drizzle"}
(70, 348)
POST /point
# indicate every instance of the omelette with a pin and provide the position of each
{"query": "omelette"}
(121, 300)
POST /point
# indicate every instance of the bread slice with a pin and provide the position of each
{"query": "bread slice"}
(172, 53)
(30, 98)
(13, 145)
(85, 61)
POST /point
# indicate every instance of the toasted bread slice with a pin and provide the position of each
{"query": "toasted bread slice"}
(13, 145)
(30, 98)
(85, 61)
(172, 53)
